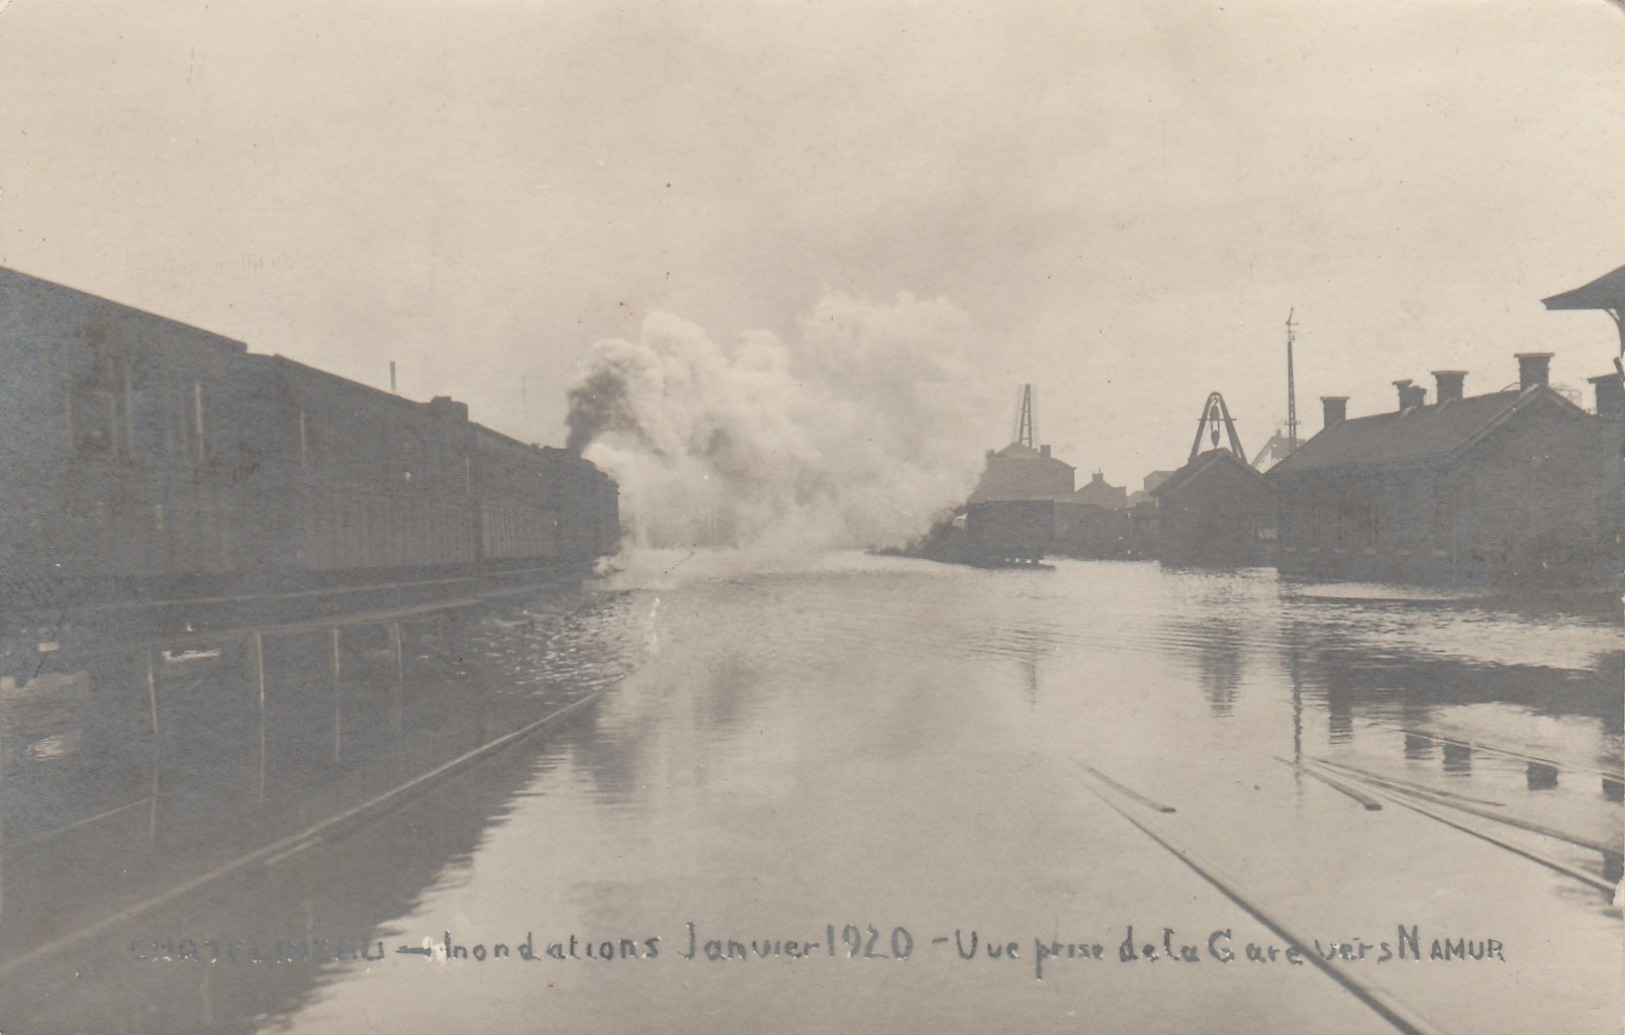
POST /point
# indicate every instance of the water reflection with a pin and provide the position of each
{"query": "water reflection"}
(757, 698)
(135, 772)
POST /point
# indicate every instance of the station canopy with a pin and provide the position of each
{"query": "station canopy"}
(1606, 292)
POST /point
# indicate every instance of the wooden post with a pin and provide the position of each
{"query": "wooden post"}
(259, 672)
(395, 688)
(338, 700)
(152, 709)
(152, 694)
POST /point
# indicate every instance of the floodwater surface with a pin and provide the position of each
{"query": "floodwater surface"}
(872, 794)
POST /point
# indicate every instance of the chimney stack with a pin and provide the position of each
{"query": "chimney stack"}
(1533, 369)
(1448, 385)
(1610, 397)
(1335, 407)
(1409, 394)
(1043, 450)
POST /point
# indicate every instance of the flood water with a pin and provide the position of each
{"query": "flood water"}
(797, 800)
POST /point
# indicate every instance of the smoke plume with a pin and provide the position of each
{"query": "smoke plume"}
(859, 433)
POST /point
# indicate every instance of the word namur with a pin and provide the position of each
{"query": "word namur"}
(1220, 946)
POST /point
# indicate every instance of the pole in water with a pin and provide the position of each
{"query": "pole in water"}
(395, 684)
(259, 669)
(1291, 386)
(338, 700)
(152, 705)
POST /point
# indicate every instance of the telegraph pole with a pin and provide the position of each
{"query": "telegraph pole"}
(1291, 386)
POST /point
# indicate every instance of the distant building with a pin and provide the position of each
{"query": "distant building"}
(1098, 493)
(1274, 451)
(1094, 522)
(1009, 531)
(1510, 486)
(1156, 478)
(1020, 472)
(1215, 511)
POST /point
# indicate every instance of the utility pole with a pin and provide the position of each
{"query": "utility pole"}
(1291, 386)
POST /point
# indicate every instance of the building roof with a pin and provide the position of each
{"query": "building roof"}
(1101, 493)
(18, 279)
(1203, 463)
(1278, 448)
(1417, 433)
(1018, 451)
(1156, 478)
(1606, 292)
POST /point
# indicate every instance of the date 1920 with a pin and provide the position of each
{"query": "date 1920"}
(849, 941)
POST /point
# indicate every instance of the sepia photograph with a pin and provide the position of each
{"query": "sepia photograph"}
(554, 516)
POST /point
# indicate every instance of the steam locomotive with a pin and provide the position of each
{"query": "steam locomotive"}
(145, 461)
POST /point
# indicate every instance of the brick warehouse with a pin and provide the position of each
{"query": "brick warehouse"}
(1510, 487)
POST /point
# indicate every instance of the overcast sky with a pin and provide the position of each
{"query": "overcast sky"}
(1125, 196)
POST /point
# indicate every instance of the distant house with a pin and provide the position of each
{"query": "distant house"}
(1156, 478)
(1275, 450)
(1095, 522)
(1020, 472)
(1099, 494)
(1510, 486)
(1215, 511)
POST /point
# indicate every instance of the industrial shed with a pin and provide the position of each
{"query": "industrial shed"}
(1507, 487)
(1215, 511)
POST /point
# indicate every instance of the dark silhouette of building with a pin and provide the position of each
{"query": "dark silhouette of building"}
(1020, 472)
(1506, 487)
(1217, 511)
(1100, 494)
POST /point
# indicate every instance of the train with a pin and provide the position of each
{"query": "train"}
(145, 461)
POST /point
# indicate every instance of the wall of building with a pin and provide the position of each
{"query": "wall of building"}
(1224, 515)
(1526, 504)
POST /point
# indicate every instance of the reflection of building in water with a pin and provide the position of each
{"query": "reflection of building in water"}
(139, 768)
(1408, 690)
(1218, 643)
(1458, 759)
(1221, 666)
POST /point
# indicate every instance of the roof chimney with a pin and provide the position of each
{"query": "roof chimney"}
(1448, 385)
(1409, 394)
(1043, 450)
(1610, 397)
(445, 407)
(1533, 369)
(1335, 407)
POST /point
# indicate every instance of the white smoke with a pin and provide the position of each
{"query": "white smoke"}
(861, 433)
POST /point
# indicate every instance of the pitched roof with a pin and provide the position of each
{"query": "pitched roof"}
(1274, 451)
(1018, 451)
(1606, 292)
(1204, 462)
(1418, 433)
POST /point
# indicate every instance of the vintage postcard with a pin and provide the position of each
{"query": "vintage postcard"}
(798, 516)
